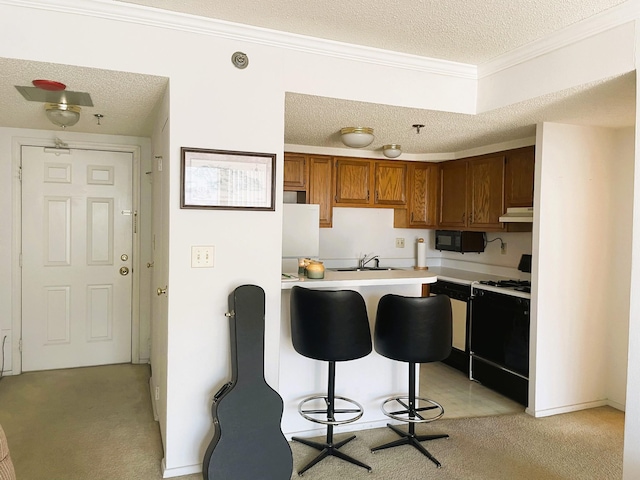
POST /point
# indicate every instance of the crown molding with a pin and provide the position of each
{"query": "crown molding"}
(132, 13)
(611, 18)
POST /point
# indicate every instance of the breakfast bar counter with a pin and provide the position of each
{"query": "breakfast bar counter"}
(363, 278)
(369, 380)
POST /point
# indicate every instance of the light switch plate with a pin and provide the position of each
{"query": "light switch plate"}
(202, 256)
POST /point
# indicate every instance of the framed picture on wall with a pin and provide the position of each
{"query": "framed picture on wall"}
(227, 180)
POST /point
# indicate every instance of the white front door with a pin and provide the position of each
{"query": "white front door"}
(77, 220)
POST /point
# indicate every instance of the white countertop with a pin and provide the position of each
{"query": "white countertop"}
(333, 279)
(465, 277)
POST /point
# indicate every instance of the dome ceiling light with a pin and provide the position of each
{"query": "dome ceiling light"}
(357, 137)
(62, 114)
(392, 150)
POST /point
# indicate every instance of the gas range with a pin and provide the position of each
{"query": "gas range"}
(518, 288)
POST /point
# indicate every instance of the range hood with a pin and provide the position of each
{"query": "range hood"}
(518, 215)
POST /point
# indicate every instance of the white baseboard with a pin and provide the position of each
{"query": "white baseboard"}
(354, 427)
(616, 405)
(567, 409)
(153, 400)
(179, 471)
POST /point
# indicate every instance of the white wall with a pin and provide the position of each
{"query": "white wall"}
(631, 465)
(606, 54)
(581, 237)
(214, 105)
(620, 224)
(517, 243)
(360, 231)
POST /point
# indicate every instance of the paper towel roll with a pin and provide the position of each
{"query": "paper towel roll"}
(421, 255)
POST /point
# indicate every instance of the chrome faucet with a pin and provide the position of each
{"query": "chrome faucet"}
(366, 259)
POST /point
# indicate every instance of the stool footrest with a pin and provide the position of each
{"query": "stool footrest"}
(307, 413)
(405, 415)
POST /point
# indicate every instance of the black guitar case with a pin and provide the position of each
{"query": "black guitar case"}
(248, 443)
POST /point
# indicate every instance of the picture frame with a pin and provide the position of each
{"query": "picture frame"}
(227, 180)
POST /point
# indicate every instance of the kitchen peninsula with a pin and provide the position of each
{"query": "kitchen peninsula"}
(369, 380)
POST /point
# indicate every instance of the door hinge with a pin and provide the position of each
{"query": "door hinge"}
(20, 260)
(20, 345)
(20, 173)
(135, 222)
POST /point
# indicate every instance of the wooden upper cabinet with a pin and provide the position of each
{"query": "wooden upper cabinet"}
(320, 183)
(295, 172)
(422, 207)
(486, 192)
(453, 194)
(390, 183)
(352, 182)
(519, 174)
(422, 197)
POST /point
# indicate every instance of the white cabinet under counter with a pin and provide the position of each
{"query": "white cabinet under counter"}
(369, 380)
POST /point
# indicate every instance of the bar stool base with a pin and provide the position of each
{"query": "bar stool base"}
(327, 450)
(410, 438)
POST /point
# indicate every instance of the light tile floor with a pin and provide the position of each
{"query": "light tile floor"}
(460, 396)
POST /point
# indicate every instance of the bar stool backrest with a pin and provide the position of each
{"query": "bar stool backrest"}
(329, 325)
(413, 329)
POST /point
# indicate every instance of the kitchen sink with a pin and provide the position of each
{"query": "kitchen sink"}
(364, 269)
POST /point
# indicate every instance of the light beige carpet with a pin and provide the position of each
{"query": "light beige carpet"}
(96, 423)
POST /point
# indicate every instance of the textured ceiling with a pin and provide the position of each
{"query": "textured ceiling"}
(126, 100)
(472, 31)
(469, 31)
(608, 103)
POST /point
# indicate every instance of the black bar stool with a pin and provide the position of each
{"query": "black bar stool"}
(414, 330)
(332, 326)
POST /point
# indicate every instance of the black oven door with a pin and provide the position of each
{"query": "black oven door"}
(500, 330)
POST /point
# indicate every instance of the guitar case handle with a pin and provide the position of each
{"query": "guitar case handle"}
(220, 393)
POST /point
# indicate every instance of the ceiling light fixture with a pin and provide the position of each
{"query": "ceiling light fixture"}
(357, 137)
(392, 150)
(62, 114)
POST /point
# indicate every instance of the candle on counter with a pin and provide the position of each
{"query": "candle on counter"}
(315, 270)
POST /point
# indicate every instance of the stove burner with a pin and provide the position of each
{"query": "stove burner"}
(520, 285)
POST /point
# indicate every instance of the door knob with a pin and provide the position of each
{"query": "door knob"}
(161, 291)
(124, 271)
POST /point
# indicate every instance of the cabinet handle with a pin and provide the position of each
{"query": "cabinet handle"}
(367, 195)
(376, 197)
(335, 198)
(412, 217)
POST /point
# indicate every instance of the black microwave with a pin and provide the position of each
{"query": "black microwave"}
(459, 241)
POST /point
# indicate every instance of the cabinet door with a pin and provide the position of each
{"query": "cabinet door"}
(295, 172)
(320, 176)
(353, 182)
(519, 173)
(453, 194)
(422, 206)
(390, 183)
(486, 193)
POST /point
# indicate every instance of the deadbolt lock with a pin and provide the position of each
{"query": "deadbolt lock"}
(124, 257)
(124, 271)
